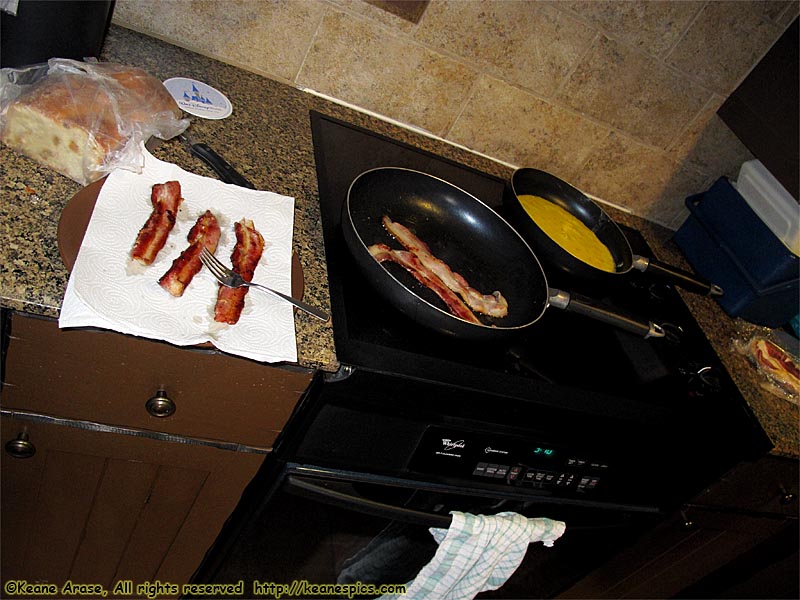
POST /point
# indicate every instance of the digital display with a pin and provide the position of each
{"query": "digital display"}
(542, 451)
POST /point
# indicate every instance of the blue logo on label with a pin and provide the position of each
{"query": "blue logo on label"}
(198, 99)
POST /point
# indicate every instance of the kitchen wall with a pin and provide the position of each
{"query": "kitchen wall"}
(617, 97)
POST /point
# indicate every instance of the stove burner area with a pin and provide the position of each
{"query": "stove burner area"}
(574, 367)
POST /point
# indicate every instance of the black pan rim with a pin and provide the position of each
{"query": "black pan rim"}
(481, 326)
(621, 234)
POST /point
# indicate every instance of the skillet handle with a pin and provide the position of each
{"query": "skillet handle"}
(685, 279)
(589, 308)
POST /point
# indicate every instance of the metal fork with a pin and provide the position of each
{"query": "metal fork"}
(232, 279)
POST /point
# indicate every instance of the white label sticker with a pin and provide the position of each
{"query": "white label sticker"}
(199, 99)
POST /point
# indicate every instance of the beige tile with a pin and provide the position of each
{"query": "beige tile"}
(789, 15)
(726, 40)
(710, 146)
(781, 12)
(530, 44)
(357, 61)
(517, 127)
(633, 92)
(270, 37)
(653, 27)
(643, 179)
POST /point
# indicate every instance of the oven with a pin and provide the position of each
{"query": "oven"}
(572, 420)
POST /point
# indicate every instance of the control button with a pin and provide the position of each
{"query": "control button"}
(480, 470)
(588, 483)
(502, 471)
(513, 474)
(491, 470)
(565, 479)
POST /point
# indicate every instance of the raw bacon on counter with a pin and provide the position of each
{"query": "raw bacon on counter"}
(404, 258)
(205, 232)
(244, 260)
(492, 304)
(166, 199)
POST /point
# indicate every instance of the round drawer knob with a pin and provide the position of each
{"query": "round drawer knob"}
(20, 447)
(160, 405)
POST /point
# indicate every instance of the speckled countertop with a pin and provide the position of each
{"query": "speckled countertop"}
(268, 138)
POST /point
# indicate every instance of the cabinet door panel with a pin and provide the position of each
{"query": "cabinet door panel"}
(95, 507)
(114, 516)
(672, 557)
(174, 492)
(108, 377)
(64, 502)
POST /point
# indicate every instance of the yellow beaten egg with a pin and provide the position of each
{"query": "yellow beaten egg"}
(568, 231)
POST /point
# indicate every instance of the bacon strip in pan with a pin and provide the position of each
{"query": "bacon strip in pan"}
(412, 264)
(494, 304)
(244, 260)
(166, 199)
(205, 232)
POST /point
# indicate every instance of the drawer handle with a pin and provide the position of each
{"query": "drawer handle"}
(20, 447)
(786, 496)
(160, 405)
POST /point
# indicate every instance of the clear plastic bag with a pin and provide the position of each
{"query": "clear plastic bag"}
(85, 119)
(780, 369)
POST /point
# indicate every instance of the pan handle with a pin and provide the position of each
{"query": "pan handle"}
(584, 306)
(685, 279)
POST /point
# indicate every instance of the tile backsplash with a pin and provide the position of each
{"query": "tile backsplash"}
(618, 97)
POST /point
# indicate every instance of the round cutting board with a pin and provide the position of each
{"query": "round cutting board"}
(75, 219)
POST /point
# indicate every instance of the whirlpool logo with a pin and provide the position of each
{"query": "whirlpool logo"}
(449, 445)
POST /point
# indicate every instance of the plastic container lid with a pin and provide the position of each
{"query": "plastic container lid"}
(771, 202)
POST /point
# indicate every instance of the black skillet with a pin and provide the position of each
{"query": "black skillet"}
(472, 239)
(549, 187)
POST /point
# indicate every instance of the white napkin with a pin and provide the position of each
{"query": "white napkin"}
(107, 289)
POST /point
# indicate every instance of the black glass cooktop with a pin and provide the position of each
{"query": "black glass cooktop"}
(563, 359)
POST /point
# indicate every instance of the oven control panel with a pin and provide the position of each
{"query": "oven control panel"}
(509, 460)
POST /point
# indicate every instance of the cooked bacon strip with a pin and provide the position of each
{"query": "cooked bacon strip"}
(493, 304)
(166, 199)
(205, 232)
(382, 252)
(244, 260)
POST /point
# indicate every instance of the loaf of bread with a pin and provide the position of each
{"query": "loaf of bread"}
(81, 121)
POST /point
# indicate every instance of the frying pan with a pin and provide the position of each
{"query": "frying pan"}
(557, 191)
(472, 239)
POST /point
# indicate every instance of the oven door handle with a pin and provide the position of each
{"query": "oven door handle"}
(301, 487)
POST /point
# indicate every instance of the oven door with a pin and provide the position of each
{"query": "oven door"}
(325, 526)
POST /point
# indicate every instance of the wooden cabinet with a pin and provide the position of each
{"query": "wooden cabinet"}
(106, 377)
(743, 525)
(95, 507)
(112, 492)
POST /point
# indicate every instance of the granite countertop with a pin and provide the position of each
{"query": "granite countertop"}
(268, 139)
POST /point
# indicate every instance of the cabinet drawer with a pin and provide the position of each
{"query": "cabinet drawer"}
(108, 377)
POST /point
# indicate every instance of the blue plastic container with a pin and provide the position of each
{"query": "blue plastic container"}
(727, 243)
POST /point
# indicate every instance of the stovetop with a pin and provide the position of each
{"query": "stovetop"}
(563, 359)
